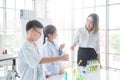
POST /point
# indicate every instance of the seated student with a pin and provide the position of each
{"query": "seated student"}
(30, 62)
(51, 49)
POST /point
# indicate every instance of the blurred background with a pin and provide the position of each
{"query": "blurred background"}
(67, 16)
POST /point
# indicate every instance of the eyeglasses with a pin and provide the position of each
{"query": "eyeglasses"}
(37, 31)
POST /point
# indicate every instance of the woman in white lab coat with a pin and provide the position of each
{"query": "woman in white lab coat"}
(51, 49)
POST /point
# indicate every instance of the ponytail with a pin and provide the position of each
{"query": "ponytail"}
(44, 32)
(49, 29)
(44, 39)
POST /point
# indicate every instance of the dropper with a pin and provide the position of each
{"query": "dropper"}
(79, 62)
(75, 70)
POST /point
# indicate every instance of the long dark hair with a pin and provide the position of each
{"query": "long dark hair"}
(49, 29)
(95, 22)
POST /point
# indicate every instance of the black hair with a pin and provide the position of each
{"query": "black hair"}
(33, 24)
(49, 29)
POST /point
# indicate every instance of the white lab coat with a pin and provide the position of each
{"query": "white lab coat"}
(28, 64)
(51, 50)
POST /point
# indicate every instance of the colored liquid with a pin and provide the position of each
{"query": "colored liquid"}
(65, 76)
(79, 78)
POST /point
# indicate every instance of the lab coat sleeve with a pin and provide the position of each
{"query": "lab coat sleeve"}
(76, 37)
(46, 71)
(31, 58)
(46, 51)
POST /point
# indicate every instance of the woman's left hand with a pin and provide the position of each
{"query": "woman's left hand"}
(62, 46)
(100, 66)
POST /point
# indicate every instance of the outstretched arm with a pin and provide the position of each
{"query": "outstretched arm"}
(64, 57)
(73, 46)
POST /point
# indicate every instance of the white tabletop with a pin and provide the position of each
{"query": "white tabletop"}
(96, 75)
(7, 56)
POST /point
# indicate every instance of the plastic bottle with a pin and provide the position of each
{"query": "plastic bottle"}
(65, 75)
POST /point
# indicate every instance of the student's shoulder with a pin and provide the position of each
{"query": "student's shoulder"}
(45, 46)
(97, 34)
(80, 29)
(26, 45)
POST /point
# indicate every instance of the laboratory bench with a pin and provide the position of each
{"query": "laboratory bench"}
(7, 57)
(94, 75)
(7, 63)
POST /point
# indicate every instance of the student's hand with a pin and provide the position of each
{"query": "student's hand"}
(48, 75)
(72, 47)
(62, 46)
(64, 57)
(100, 66)
(62, 71)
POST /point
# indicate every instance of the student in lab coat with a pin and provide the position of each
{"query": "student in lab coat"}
(87, 39)
(51, 49)
(30, 60)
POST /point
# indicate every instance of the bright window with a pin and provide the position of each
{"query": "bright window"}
(88, 3)
(78, 10)
(114, 61)
(114, 1)
(101, 11)
(1, 3)
(114, 42)
(20, 6)
(100, 2)
(10, 4)
(10, 20)
(1, 20)
(114, 21)
(10, 25)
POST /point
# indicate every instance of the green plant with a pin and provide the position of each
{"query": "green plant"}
(117, 43)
